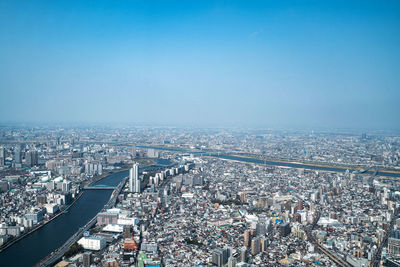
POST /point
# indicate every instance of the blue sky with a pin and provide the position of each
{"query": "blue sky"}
(203, 63)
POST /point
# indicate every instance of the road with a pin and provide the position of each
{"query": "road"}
(377, 257)
(335, 258)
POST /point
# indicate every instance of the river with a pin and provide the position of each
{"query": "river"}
(270, 163)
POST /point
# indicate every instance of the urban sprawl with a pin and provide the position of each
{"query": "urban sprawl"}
(204, 210)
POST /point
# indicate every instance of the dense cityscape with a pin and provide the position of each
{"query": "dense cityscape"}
(192, 204)
(209, 133)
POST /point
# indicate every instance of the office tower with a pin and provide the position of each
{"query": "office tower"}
(243, 254)
(134, 180)
(255, 246)
(152, 153)
(227, 253)
(17, 155)
(247, 238)
(220, 256)
(66, 186)
(131, 180)
(363, 136)
(31, 158)
(4, 186)
(2, 156)
(217, 257)
(231, 262)
(264, 244)
(284, 229)
(137, 186)
(35, 158)
(28, 159)
(133, 152)
(261, 229)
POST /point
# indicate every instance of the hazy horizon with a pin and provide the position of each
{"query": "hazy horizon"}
(296, 64)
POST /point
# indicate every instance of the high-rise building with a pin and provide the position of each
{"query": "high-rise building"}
(363, 136)
(217, 257)
(134, 180)
(394, 244)
(243, 254)
(300, 205)
(93, 168)
(284, 229)
(66, 186)
(255, 246)
(232, 262)
(137, 188)
(87, 259)
(152, 153)
(227, 253)
(28, 159)
(31, 158)
(247, 238)
(131, 182)
(4, 186)
(133, 152)
(220, 256)
(2, 156)
(17, 155)
(264, 244)
(261, 229)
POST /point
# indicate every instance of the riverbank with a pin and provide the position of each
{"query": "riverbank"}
(43, 223)
(281, 167)
(40, 225)
(391, 172)
(49, 237)
(256, 157)
(144, 162)
(381, 172)
(55, 255)
(314, 164)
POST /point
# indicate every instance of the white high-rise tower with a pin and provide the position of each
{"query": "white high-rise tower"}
(131, 180)
(134, 181)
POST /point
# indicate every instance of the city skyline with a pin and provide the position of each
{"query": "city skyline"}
(200, 133)
(201, 197)
(331, 64)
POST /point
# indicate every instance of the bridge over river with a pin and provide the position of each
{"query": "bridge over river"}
(100, 187)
